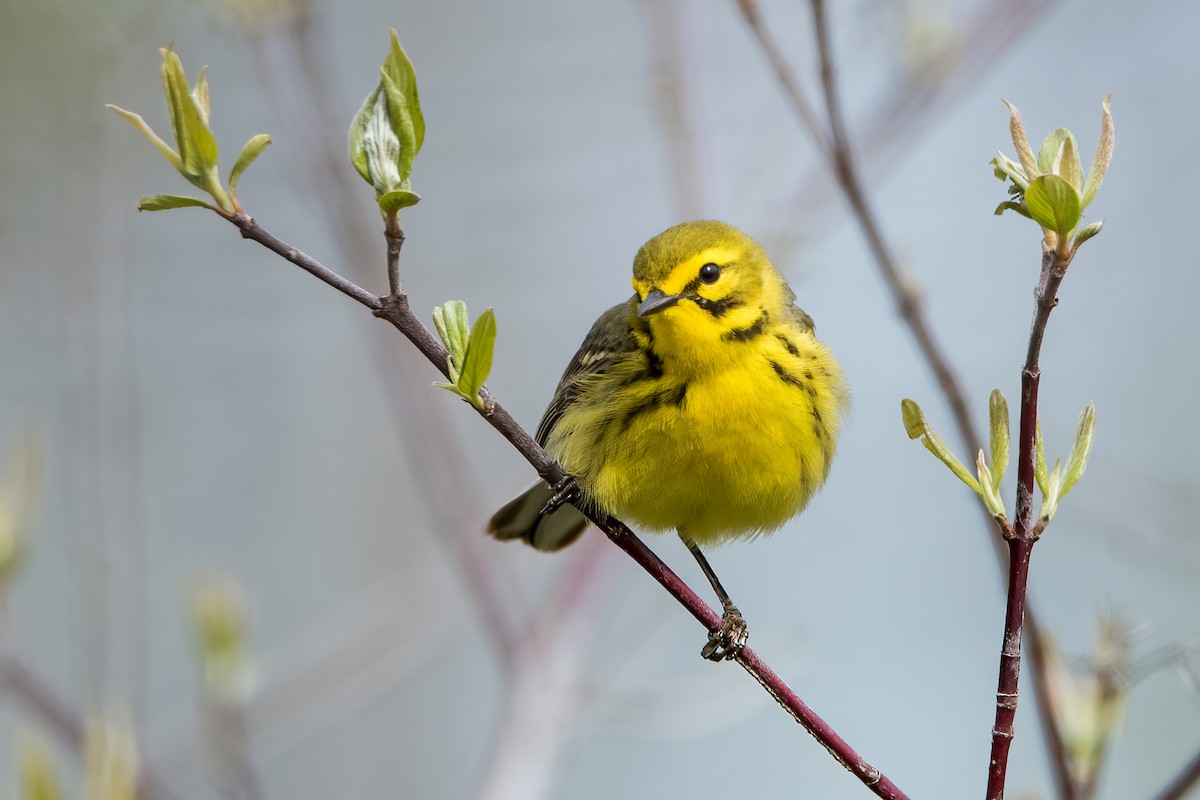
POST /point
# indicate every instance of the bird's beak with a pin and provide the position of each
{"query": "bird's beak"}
(656, 300)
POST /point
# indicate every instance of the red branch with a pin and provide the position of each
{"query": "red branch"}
(1024, 532)
(395, 309)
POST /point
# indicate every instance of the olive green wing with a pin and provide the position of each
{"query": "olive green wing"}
(798, 314)
(608, 341)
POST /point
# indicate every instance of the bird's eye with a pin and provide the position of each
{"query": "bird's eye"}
(709, 273)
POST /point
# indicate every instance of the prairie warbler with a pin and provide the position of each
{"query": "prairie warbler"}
(704, 404)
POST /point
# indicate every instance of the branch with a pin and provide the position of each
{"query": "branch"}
(905, 291)
(53, 712)
(395, 309)
(1025, 531)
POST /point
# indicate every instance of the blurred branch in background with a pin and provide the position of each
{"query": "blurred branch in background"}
(436, 459)
(942, 60)
(670, 70)
(913, 97)
(68, 727)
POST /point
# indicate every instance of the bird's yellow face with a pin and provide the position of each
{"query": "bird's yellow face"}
(703, 282)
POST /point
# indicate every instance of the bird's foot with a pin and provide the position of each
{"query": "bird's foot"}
(728, 640)
(565, 491)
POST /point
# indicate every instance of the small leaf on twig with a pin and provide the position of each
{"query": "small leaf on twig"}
(1077, 461)
(998, 439)
(469, 351)
(251, 151)
(478, 362)
(164, 202)
(987, 487)
(1087, 232)
(1039, 458)
(388, 131)
(916, 427)
(1053, 203)
(1103, 155)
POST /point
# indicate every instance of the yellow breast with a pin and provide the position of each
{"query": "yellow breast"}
(716, 454)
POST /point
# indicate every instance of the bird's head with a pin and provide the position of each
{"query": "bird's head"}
(702, 281)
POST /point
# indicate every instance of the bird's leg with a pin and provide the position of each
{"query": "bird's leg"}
(728, 640)
(565, 491)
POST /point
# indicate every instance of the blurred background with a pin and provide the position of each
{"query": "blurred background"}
(250, 530)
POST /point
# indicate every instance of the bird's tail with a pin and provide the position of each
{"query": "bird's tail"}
(522, 518)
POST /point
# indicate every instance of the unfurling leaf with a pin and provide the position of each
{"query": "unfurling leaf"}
(1077, 461)
(468, 349)
(478, 362)
(136, 121)
(388, 131)
(998, 439)
(164, 202)
(1053, 203)
(1009, 205)
(916, 427)
(197, 145)
(1087, 232)
(1021, 141)
(987, 487)
(391, 202)
(195, 153)
(1103, 155)
(251, 151)
(1039, 459)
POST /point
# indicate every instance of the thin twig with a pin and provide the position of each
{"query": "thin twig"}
(787, 80)
(1178, 786)
(671, 74)
(396, 310)
(395, 240)
(1025, 530)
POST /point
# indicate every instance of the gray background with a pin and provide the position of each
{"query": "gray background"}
(203, 404)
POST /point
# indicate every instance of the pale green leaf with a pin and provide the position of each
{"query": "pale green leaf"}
(1088, 231)
(1103, 155)
(1069, 167)
(1077, 461)
(358, 129)
(1053, 203)
(391, 202)
(987, 488)
(478, 363)
(251, 151)
(164, 202)
(913, 417)
(1005, 167)
(1052, 494)
(401, 118)
(1020, 141)
(196, 143)
(136, 121)
(201, 96)
(1039, 459)
(998, 439)
(935, 445)
(451, 323)
(1009, 205)
(399, 69)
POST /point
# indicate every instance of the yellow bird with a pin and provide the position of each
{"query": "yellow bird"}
(704, 404)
